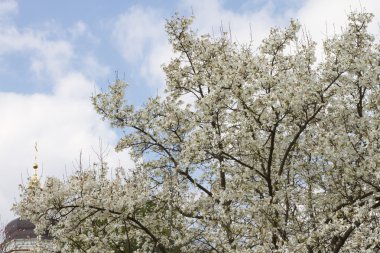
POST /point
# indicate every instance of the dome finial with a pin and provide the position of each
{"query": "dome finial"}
(35, 165)
(35, 181)
(35, 154)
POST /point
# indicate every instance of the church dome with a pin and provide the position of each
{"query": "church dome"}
(19, 229)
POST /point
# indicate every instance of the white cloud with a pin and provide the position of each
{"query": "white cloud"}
(51, 57)
(78, 29)
(325, 17)
(141, 38)
(54, 57)
(137, 30)
(91, 67)
(74, 85)
(211, 18)
(8, 7)
(63, 124)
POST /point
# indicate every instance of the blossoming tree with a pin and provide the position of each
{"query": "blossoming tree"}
(276, 152)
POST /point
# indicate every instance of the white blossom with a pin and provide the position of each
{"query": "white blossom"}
(276, 153)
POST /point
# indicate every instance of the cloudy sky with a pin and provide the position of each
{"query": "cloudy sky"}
(55, 54)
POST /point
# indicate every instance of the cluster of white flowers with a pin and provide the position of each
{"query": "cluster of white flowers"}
(275, 153)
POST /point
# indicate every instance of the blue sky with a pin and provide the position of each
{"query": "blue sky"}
(55, 54)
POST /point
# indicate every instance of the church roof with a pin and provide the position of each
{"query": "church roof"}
(19, 229)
